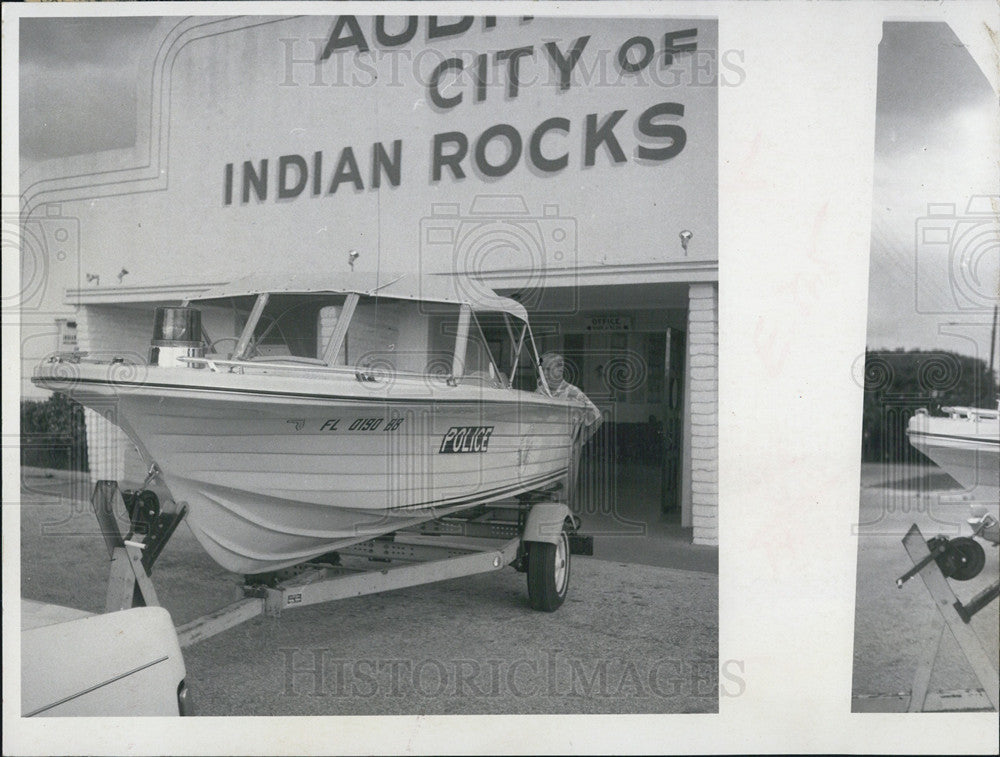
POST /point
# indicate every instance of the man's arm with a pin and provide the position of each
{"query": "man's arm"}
(592, 418)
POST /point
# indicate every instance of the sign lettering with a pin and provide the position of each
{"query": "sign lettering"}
(461, 81)
(466, 439)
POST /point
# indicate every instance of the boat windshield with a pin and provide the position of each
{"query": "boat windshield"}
(402, 336)
(371, 334)
(277, 326)
(502, 346)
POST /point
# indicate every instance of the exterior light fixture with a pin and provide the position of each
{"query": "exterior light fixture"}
(685, 239)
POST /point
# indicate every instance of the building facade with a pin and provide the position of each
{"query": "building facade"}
(570, 163)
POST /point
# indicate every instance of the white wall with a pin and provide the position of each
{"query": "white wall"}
(222, 92)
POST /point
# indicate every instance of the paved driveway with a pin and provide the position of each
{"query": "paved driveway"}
(629, 639)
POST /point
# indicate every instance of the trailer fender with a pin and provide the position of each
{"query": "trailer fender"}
(545, 522)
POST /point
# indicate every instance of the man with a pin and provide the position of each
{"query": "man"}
(553, 367)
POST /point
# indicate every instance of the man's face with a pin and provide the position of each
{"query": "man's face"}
(553, 369)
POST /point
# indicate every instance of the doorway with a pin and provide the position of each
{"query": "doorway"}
(631, 470)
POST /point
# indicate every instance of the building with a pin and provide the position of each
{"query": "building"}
(571, 163)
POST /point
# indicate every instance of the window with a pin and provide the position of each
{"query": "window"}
(287, 328)
(400, 336)
(496, 342)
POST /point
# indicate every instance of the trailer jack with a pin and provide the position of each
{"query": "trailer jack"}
(935, 561)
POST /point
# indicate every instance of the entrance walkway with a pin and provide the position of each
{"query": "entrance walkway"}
(628, 527)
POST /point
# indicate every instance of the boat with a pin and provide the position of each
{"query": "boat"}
(295, 415)
(965, 443)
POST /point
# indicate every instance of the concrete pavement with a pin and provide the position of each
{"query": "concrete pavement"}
(630, 638)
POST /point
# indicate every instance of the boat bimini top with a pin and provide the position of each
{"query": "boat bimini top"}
(454, 289)
(412, 324)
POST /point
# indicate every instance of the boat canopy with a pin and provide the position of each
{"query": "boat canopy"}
(459, 290)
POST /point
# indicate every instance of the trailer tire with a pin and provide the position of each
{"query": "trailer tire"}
(964, 559)
(548, 572)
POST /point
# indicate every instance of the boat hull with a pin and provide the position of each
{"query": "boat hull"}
(966, 448)
(276, 471)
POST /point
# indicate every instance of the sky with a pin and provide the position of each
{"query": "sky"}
(78, 92)
(936, 143)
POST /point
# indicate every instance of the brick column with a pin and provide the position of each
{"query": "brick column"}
(703, 403)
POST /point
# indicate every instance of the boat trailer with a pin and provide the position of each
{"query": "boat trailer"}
(532, 533)
(936, 560)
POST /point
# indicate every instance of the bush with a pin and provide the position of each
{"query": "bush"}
(898, 383)
(53, 434)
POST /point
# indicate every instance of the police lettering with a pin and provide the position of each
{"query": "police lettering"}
(464, 439)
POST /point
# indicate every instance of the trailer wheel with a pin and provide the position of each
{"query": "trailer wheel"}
(964, 559)
(548, 573)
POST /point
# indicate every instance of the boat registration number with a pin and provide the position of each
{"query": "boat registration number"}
(460, 439)
(358, 424)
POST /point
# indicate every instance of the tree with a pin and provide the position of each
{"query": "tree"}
(53, 434)
(898, 382)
